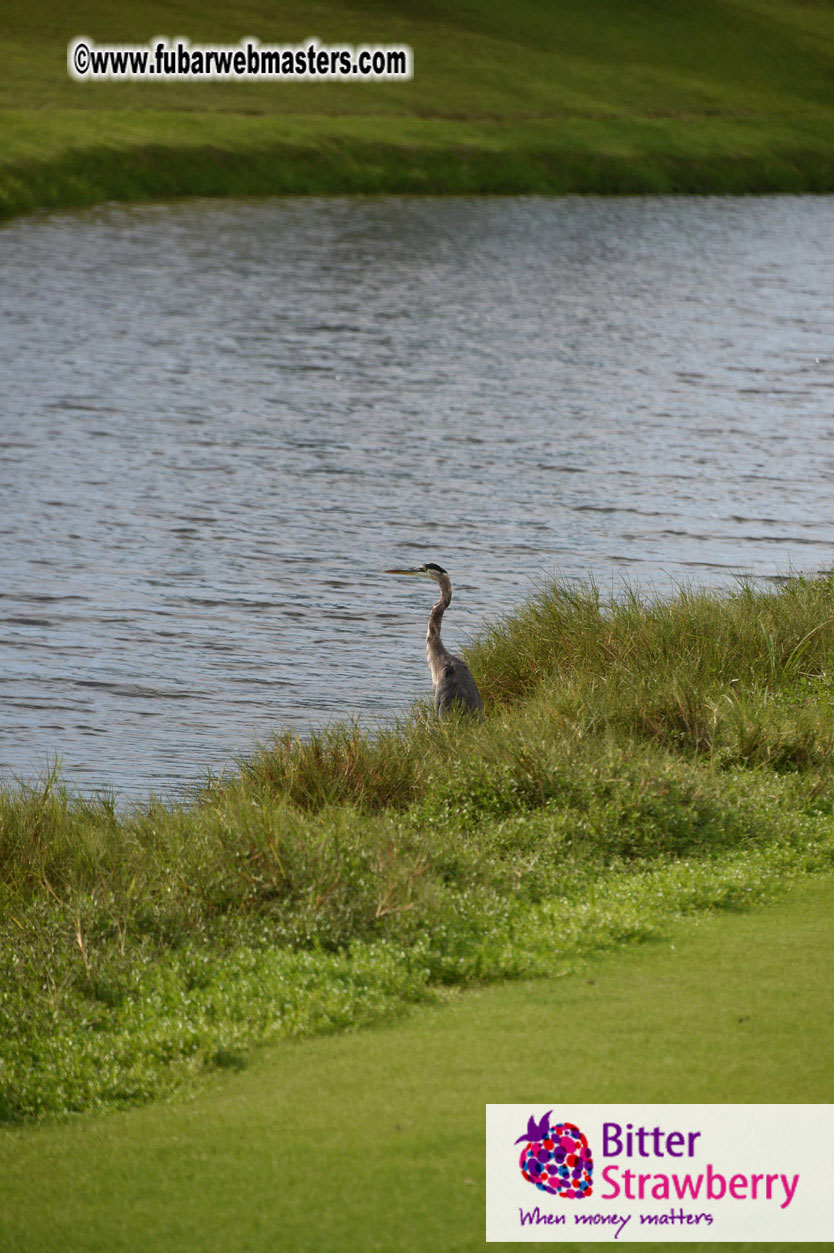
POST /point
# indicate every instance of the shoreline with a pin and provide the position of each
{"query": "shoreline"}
(638, 763)
(142, 158)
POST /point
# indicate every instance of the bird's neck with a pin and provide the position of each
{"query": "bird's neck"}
(435, 651)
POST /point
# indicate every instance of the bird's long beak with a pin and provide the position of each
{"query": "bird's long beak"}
(402, 571)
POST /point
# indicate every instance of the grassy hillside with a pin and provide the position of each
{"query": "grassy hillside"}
(637, 763)
(583, 95)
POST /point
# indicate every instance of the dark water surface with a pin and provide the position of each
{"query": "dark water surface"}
(220, 421)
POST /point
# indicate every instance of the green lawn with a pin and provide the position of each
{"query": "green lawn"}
(583, 95)
(374, 1140)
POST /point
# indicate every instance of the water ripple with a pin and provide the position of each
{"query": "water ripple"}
(220, 421)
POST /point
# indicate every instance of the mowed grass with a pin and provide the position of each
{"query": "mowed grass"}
(374, 1140)
(586, 95)
(638, 762)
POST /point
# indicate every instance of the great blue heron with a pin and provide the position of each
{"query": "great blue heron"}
(453, 682)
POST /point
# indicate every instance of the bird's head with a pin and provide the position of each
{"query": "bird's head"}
(428, 571)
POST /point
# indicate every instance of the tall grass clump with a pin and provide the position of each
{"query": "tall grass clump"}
(743, 677)
(637, 760)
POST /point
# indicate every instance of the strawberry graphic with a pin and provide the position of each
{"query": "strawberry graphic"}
(536, 1130)
(556, 1158)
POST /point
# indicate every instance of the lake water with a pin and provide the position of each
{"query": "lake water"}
(220, 421)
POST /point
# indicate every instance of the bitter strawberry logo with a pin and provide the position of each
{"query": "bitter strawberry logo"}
(556, 1158)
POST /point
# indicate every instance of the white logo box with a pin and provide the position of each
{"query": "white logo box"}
(706, 1173)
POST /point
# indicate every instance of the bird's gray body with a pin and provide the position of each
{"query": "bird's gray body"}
(454, 687)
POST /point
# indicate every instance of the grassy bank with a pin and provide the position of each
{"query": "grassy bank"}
(638, 762)
(732, 1010)
(586, 95)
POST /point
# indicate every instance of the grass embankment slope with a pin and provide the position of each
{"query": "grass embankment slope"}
(637, 763)
(374, 1140)
(584, 95)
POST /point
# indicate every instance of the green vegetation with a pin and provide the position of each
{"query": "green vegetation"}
(586, 95)
(637, 762)
(737, 1008)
